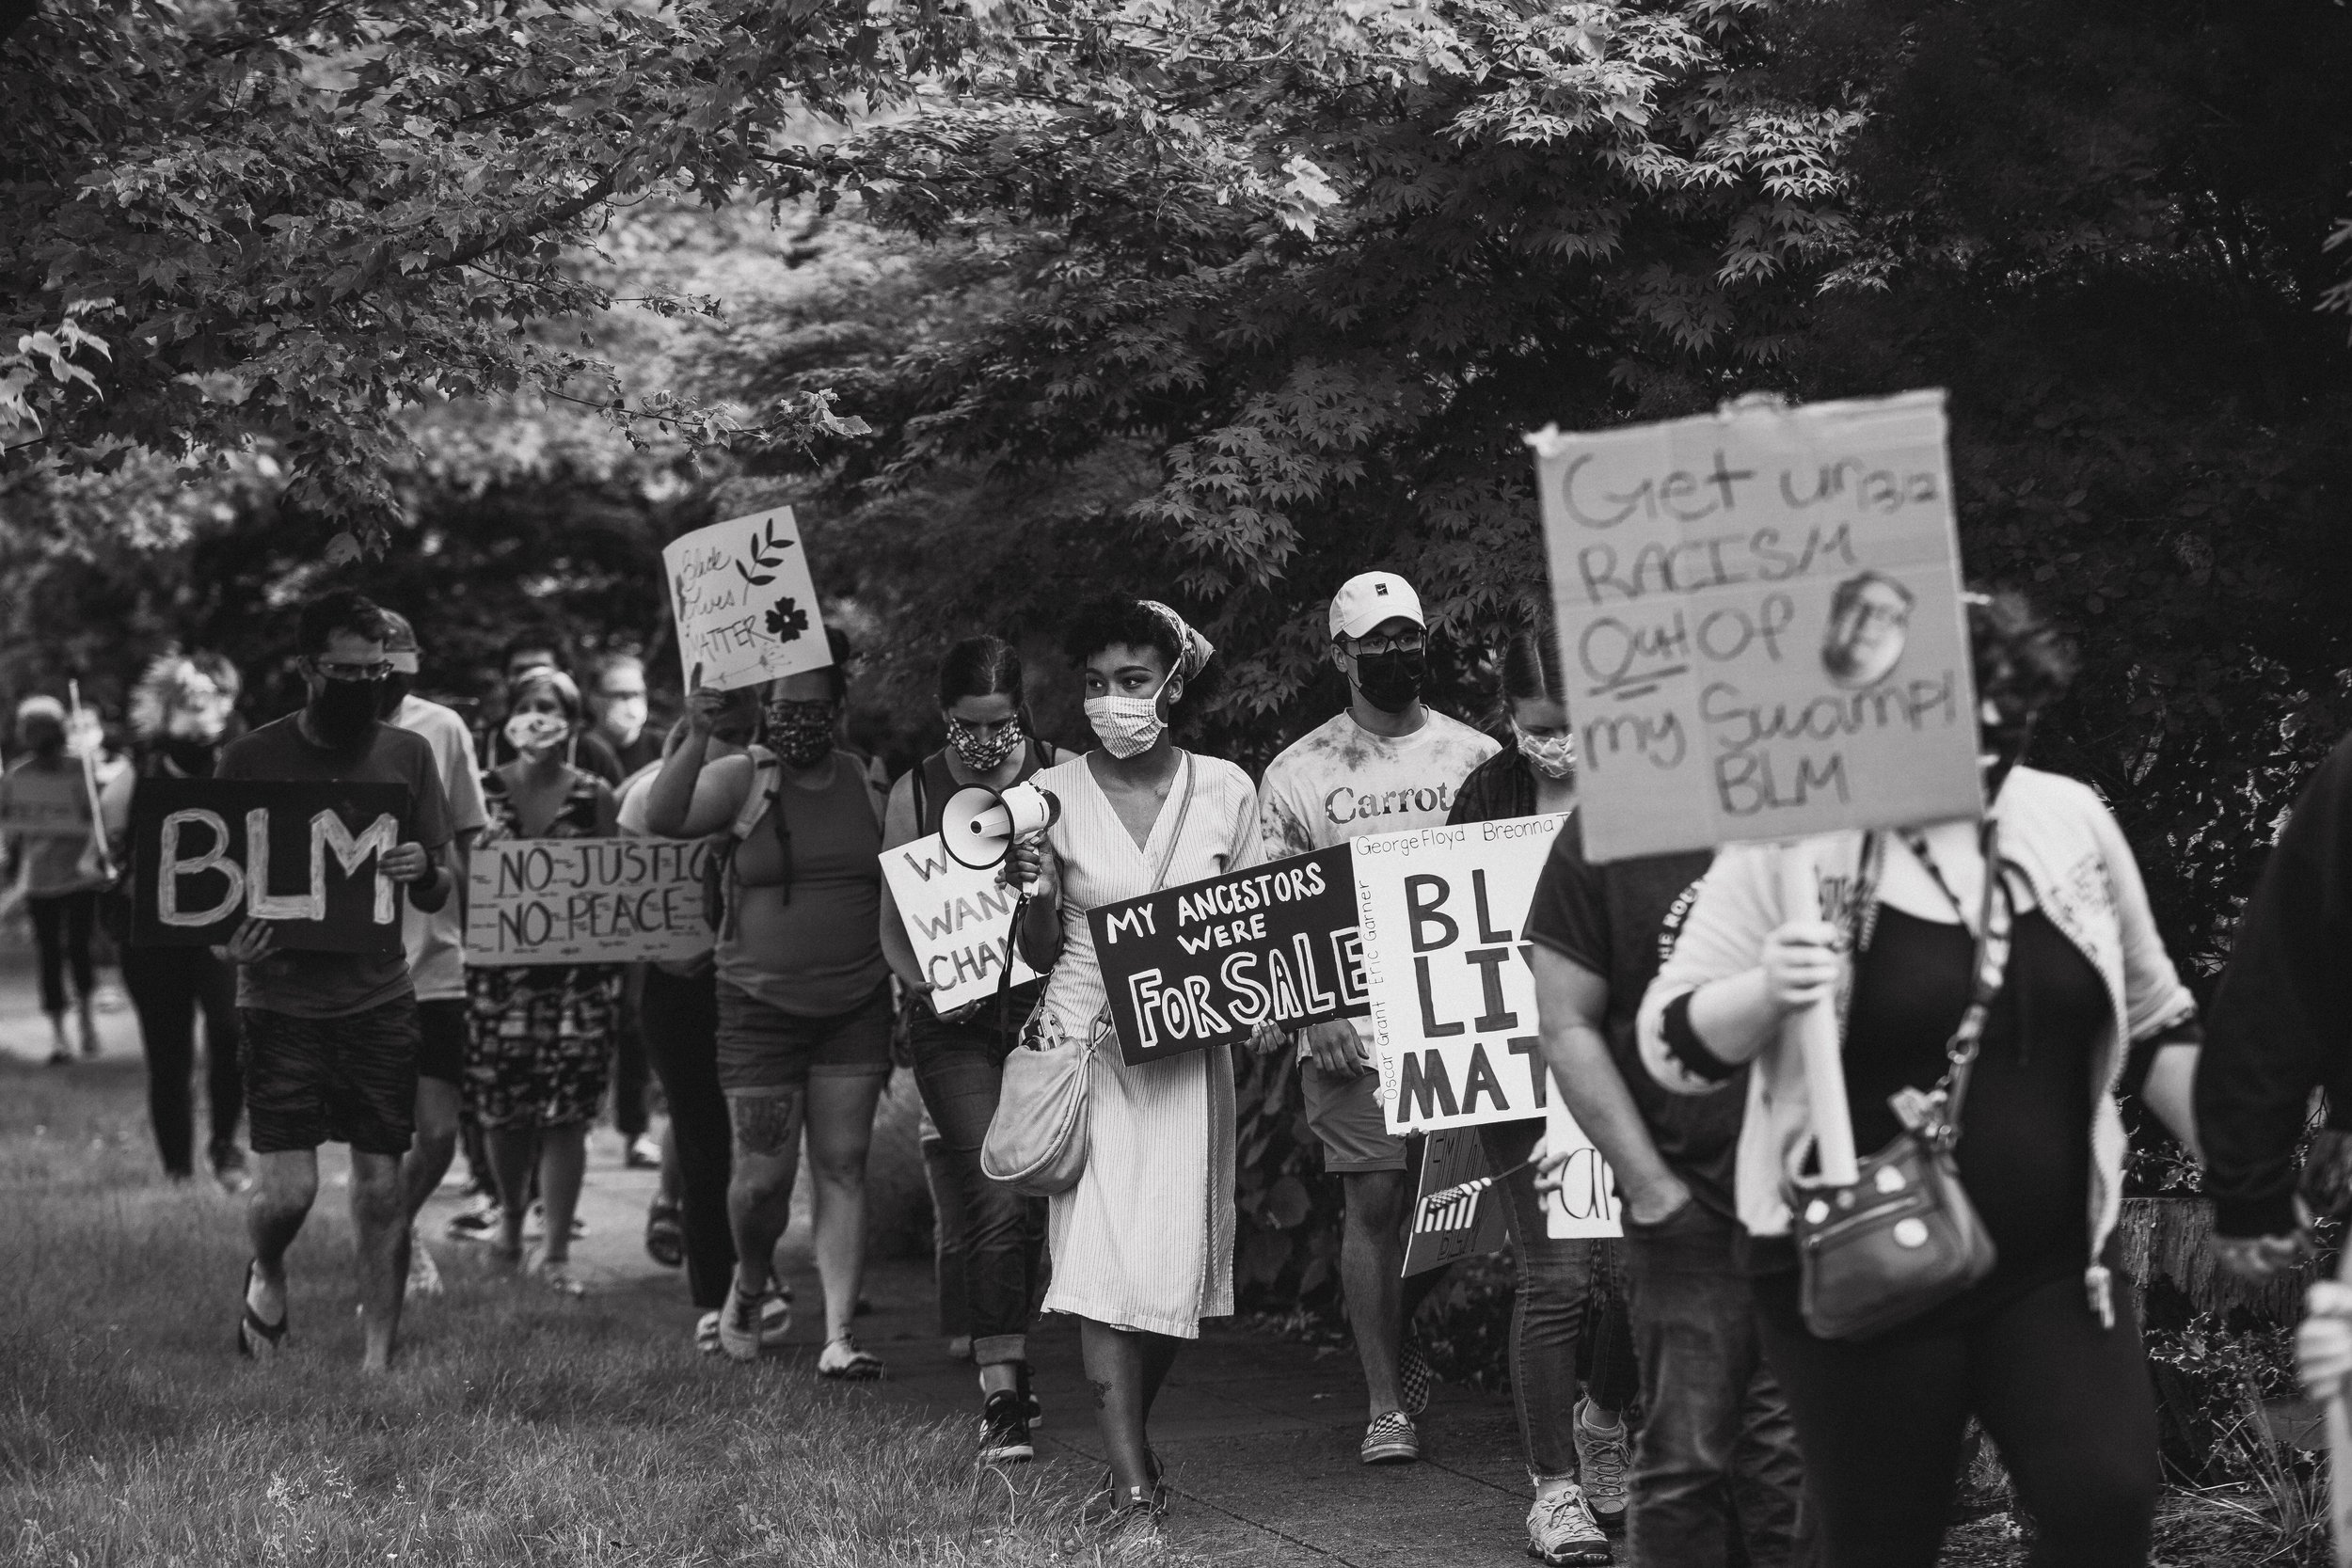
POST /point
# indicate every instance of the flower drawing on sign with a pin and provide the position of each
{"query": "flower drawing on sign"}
(766, 551)
(786, 621)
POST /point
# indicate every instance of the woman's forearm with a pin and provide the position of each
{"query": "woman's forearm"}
(671, 800)
(2171, 1091)
(1734, 1017)
(1586, 1076)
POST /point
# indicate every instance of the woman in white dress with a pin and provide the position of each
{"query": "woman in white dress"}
(1143, 1244)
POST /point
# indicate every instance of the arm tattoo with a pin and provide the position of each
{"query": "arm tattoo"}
(764, 1123)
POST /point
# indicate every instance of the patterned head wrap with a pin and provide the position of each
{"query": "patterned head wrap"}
(1193, 650)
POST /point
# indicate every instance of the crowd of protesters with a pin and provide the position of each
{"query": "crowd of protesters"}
(1670, 1385)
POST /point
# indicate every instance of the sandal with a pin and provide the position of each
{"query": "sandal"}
(257, 1340)
(856, 1364)
(665, 1235)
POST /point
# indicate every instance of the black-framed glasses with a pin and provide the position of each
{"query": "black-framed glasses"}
(1372, 648)
(813, 711)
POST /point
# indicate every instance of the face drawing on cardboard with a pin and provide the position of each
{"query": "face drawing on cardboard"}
(1870, 619)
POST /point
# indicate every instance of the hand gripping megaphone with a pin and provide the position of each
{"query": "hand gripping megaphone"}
(980, 825)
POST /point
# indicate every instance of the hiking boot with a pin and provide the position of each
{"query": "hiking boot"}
(1415, 1377)
(1604, 1466)
(740, 1322)
(1390, 1440)
(1561, 1530)
(1005, 1430)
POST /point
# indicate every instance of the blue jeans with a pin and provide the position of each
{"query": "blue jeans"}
(1716, 1473)
(1568, 1299)
(960, 1070)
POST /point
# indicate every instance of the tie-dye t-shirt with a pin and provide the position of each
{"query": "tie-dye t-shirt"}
(1341, 780)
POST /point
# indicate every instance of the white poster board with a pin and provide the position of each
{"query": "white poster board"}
(1586, 1203)
(959, 920)
(1760, 623)
(585, 900)
(1442, 911)
(744, 602)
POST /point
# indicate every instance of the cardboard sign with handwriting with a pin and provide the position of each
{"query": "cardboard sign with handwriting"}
(745, 603)
(208, 853)
(587, 900)
(1443, 917)
(959, 920)
(1760, 623)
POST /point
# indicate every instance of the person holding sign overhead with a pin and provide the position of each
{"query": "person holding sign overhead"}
(1383, 764)
(804, 1009)
(1715, 1468)
(1567, 1290)
(2018, 963)
(541, 1051)
(960, 1058)
(332, 1039)
(1143, 1244)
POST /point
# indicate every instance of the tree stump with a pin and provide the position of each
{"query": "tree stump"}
(2172, 1239)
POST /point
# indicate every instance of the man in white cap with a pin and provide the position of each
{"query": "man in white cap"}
(1383, 764)
(436, 943)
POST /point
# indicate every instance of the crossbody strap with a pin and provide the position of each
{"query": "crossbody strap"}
(1995, 926)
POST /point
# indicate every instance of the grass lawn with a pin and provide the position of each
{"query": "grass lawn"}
(517, 1428)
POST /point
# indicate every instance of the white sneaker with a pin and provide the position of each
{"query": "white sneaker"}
(424, 1274)
(1561, 1530)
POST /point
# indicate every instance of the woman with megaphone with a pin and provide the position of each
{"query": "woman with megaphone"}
(805, 1012)
(1142, 1233)
(960, 1055)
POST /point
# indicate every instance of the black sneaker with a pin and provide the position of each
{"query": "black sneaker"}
(1005, 1430)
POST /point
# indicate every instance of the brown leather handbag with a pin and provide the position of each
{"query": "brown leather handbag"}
(1903, 1238)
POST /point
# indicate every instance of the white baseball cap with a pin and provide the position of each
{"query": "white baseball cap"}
(1369, 599)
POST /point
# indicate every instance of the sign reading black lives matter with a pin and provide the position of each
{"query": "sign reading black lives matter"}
(208, 853)
(1760, 622)
(1208, 963)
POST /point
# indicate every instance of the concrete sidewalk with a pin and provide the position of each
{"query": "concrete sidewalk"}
(1258, 1434)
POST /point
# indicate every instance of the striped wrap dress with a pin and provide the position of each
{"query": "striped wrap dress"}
(1145, 1240)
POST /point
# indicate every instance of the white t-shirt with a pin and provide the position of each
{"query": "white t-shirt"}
(436, 941)
(1340, 780)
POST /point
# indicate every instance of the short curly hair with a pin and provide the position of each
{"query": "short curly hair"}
(1119, 622)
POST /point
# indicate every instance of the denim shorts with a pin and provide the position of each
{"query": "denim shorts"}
(763, 1048)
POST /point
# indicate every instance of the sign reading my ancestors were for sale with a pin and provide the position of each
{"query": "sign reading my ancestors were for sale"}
(745, 605)
(1760, 623)
(306, 857)
(1208, 963)
(586, 901)
(959, 920)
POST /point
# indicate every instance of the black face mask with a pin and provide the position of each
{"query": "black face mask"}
(396, 691)
(1391, 682)
(192, 756)
(343, 712)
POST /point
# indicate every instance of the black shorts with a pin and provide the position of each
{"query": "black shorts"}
(441, 1034)
(349, 1080)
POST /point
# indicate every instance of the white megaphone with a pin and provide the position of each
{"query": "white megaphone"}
(980, 825)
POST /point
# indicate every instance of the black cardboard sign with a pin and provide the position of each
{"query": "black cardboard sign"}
(208, 853)
(1208, 963)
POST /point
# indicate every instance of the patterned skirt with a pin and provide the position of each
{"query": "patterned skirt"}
(540, 1051)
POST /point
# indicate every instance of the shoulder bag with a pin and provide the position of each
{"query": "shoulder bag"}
(1038, 1141)
(1903, 1239)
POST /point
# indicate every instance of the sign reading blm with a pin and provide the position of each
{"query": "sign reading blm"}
(745, 603)
(1446, 965)
(1207, 963)
(586, 901)
(1761, 624)
(208, 853)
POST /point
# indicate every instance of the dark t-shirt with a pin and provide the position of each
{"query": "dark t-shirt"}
(334, 985)
(1619, 921)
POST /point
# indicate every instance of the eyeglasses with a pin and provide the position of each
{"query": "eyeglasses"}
(1372, 648)
(336, 670)
(789, 712)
